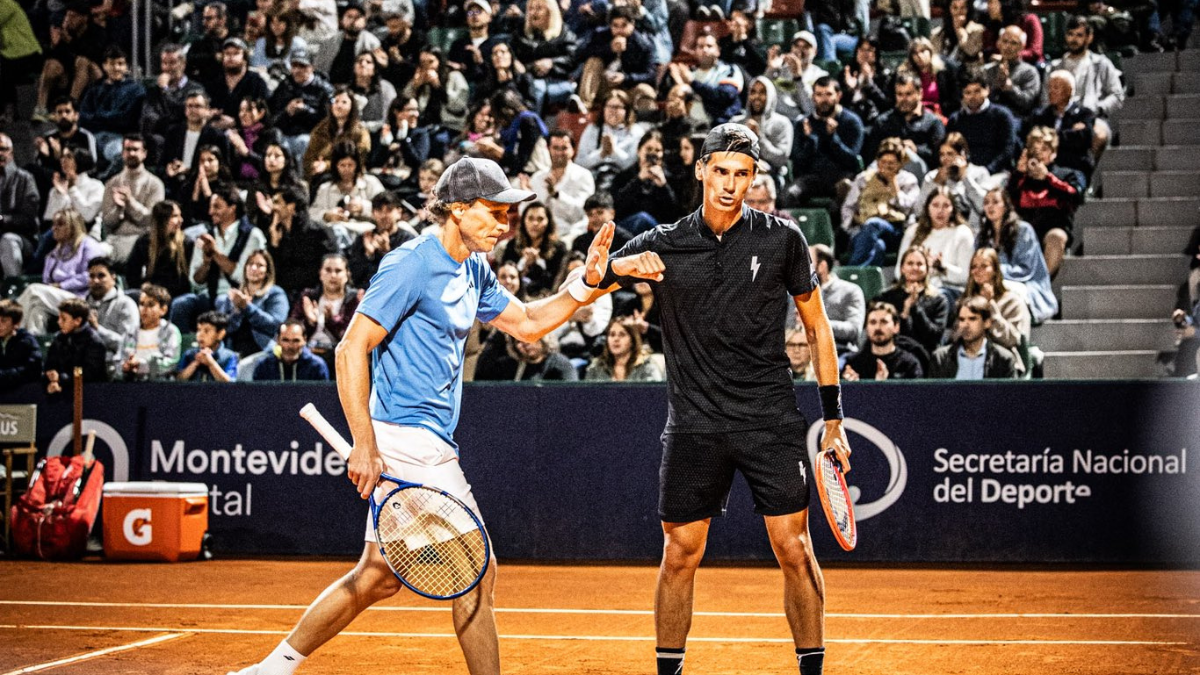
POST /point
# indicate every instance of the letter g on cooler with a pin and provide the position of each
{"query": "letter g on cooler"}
(137, 527)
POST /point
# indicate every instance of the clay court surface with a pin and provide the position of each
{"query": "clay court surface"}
(214, 616)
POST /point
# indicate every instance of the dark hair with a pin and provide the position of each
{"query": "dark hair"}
(828, 81)
(157, 293)
(386, 200)
(259, 103)
(11, 309)
(976, 78)
(507, 104)
(294, 194)
(290, 175)
(113, 52)
(651, 135)
(343, 149)
(216, 319)
(223, 174)
(230, 195)
(396, 107)
(823, 254)
(1078, 21)
(906, 79)
(60, 100)
(84, 162)
(622, 12)
(292, 321)
(1009, 227)
(101, 261)
(173, 246)
(561, 133)
(549, 238)
(880, 306)
(132, 136)
(197, 92)
(976, 304)
(949, 35)
(76, 308)
(599, 200)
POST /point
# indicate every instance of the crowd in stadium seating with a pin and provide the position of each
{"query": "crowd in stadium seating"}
(220, 219)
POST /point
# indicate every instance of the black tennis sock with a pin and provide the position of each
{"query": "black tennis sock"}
(670, 661)
(812, 660)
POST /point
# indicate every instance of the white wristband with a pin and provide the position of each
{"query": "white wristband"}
(580, 290)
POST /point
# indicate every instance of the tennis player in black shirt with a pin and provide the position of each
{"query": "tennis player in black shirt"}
(728, 272)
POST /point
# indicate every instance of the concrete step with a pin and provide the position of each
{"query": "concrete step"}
(1138, 132)
(1181, 132)
(1153, 84)
(1150, 63)
(1151, 158)
(1118, 302)
(1143, 108)
(1101, 365)
(1189, 60)
(1177, 212)
(1120, 270)
(1175, 158)
(1186, 83)
(1183, 106)
(1107, 213)
(1129, 158)
(1105, 335)
(1135, 240)
(1126, 184)
(1139, 184)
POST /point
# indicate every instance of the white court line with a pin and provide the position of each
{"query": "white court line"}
(99, 652)
(632, 612)
(605, 638)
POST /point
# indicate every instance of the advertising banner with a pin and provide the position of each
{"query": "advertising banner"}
(942, 472)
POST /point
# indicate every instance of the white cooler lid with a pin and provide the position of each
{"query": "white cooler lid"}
(155, 489)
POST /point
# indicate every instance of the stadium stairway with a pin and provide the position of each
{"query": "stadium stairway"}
(1117, 297)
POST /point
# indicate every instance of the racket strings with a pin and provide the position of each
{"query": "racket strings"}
(836, 495)
(431, 541)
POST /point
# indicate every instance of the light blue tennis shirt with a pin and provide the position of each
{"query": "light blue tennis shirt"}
(428, 302)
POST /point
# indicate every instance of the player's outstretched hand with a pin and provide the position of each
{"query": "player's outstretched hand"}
(646, 265)
(597, 258)
(363, 469)
(835, 440)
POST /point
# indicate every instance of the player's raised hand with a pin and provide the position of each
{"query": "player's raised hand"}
(645, 265)
(363, 468)
(597, 258)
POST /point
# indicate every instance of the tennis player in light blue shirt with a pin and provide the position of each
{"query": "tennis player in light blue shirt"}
(411, 327)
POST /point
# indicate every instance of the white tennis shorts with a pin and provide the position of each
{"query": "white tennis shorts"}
(417, 455)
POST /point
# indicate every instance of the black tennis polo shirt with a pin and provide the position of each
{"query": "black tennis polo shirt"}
(723, 304)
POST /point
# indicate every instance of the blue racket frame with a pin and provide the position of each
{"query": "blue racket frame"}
(376, 507)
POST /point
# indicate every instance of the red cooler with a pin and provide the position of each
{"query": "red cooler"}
(154, 521)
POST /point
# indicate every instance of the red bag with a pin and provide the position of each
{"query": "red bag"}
(52, 519)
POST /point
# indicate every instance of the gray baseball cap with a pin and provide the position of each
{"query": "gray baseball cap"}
(469, 179)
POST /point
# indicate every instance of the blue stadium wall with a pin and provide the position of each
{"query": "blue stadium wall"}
(1005, 472)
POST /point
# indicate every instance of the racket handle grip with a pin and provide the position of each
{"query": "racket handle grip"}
(314, 417)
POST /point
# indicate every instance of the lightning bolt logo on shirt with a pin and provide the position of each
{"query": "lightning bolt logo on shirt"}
(754, 268)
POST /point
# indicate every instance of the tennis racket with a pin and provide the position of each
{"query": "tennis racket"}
(835, 499)
(433, 543)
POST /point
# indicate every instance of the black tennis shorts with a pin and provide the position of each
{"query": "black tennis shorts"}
(697, 472)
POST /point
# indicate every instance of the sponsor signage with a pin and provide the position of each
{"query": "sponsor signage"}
(941, 472)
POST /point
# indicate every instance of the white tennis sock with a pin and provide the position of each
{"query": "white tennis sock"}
(283, 661)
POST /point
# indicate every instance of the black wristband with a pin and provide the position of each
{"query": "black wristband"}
(831, 401)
